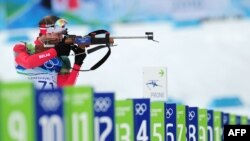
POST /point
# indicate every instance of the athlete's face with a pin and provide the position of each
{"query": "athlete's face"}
(51, 38)
(54, 36)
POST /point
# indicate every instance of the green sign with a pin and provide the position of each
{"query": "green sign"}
(17, 112)
(78, 112)
(202, 125)
(124, 120)
(244, 120)
(232, 119)
(157, 117)
(217, 126)
(181, 122)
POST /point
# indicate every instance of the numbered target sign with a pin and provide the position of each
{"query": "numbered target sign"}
(78, 113)
(210, 125)
(225, 118)
(243, 120)
(16, 112)
(141, 119)
(225, 121)
(217, 123)
(104, 128)
(232, 119)
(181, 123)
(176, 129)
(238, 120)
(158, 122)
(49, 115)
(193, 123)
(124, 120)
(202, 124)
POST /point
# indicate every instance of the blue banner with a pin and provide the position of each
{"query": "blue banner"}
(141, 119)
(171, 127)
(210, 125)
(104, 118)
(49, 115)
(193, 123)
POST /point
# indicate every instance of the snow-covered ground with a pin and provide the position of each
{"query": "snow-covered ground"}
(203, 62)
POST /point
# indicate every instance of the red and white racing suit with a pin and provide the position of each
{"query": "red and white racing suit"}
(43, 68)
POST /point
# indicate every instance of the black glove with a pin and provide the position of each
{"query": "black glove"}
(80, 55)
(62, 49)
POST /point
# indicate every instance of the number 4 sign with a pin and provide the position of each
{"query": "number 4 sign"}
(142, 119)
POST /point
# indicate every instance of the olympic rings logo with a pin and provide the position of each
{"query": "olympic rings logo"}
(51, 63)
(191, 115)
(140, 109)
(49, 101)
(169, 112)
(102, 104)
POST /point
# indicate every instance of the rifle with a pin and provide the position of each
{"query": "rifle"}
(101, 42)
(91, 39)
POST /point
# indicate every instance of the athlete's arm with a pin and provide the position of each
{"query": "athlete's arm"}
(68, 79)
(26, 60)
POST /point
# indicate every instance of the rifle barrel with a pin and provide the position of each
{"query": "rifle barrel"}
(130, 37)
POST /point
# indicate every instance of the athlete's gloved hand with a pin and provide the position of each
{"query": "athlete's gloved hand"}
(80, 55)
(62, 49)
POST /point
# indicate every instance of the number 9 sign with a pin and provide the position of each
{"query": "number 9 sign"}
(17, 128)
(16, 110)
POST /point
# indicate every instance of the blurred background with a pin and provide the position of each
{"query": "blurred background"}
(204, 44)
